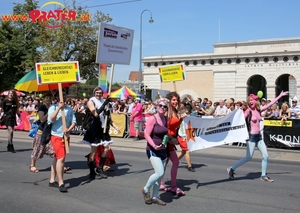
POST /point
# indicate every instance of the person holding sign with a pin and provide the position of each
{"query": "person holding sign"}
(253, 117)
(57, 139)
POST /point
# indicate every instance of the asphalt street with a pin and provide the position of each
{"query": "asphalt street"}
(207, 190)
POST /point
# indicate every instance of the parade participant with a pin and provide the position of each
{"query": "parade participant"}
(38, 149)
(10, 107)
(182, 140)
(94, 135)
(156, 130)
(174, 121)
(57, 139)
(253, 116)
(104, 156)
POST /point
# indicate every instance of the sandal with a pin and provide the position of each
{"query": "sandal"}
(177, 192)
(66, 169)
(162, 188)
(35, 170)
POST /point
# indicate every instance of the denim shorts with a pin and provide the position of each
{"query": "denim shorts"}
(162, 154)
(255, 137)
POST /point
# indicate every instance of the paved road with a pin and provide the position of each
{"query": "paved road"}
(207, 190)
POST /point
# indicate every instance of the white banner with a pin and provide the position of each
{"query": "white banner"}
(114, 45)
(208, 132)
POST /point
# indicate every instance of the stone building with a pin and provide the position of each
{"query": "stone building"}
(233, 70)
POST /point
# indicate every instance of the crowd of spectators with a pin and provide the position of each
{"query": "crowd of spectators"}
(198, 106)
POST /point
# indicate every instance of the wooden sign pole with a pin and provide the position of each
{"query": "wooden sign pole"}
(109, 91)
(63, 117)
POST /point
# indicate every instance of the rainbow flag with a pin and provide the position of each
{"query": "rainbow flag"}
(102, 81)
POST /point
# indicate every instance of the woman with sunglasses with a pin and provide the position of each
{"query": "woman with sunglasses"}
(10, 108)
(94, 135)
(174, 121)
(156, 130)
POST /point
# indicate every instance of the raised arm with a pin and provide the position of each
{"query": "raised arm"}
(263, 108)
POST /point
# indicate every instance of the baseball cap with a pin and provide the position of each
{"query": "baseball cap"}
(263, 99)
(137, 98)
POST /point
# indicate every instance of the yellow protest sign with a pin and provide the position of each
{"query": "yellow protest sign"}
(174, 72)
(57, 72)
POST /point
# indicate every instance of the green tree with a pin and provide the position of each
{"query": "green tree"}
(18, 47)
(24, 43)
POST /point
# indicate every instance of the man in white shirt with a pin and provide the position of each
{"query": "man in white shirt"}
(295, 109)
(221, 109)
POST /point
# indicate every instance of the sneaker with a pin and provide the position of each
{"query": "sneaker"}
(62, 188)
(158, 202)
(146, 196)
(266, 178)
(191, 169)
(53, 184)
(230, 173)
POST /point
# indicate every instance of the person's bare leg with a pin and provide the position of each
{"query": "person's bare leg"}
(60, 170)
(53, 171)
(181, 154)
(188, 159)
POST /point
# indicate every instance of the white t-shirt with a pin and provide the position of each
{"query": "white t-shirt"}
(98, 104)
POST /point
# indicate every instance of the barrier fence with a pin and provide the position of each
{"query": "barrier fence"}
(277, 134)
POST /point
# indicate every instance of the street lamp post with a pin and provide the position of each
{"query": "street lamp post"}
(140, 66)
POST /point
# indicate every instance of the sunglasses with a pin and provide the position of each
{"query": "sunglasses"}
(163, 106)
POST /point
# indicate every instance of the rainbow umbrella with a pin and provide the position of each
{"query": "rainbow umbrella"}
(123, 93)
(28, 83)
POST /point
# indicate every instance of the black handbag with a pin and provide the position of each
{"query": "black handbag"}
(88, 119)
(46, 135)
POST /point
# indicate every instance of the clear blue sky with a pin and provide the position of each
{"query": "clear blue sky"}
(192, 26)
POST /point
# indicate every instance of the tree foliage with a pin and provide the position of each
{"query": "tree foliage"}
(24, 43)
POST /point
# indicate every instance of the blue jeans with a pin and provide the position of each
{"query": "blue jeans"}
(255, 141)
(154, 180)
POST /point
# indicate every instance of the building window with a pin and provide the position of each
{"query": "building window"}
(229, 61)
(275, 59)
(155, 64)
(266, 60)
(285, 59)
(256, 60)
(195, 63)
(211, 62)
(187, 63)
(148, 64)
(163, 63)
(171, 62)
(238, 61)
(178, 62)
(220, 61)
(203, 63)
(296, 58)
(247, 60)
